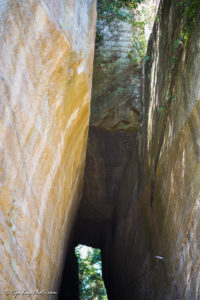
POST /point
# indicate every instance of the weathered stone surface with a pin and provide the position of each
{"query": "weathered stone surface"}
(115, 111)
(117, 84)
(163, 216)
(108, 155)
(156, 206)
(172, 150)
(46, 60)
(116, 90)
(111, 181)
(143, 202)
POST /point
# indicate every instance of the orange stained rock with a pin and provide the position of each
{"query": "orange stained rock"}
(45, 87)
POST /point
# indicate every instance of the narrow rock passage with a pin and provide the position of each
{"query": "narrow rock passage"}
(111, 179)
(140, 202)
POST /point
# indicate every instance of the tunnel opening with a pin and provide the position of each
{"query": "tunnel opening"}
(87, 234)
(91, 284)
(83, 275)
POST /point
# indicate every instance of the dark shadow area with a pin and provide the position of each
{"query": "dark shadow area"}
(69, 288)
(112, 157)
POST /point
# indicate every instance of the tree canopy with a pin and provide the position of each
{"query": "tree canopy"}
(90, 274)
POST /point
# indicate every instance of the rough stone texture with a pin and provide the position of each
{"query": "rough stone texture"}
(116, 90)
(163, 216)
(114, 121)
(115, 112)
(46, 60)
(117, 84)
(111, 181)
(144, 201)
(171, 152)
(156, 204)
(108, 157)
(113, 127)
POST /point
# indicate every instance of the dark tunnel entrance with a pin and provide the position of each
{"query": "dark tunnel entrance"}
(86, 264)
(82, 276)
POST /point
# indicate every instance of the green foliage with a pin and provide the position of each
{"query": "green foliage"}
(173, 98)
(146, 58)
(158, 18)
(113, 8)
(189, 8)
(161, 109)
(121, 9)
(173, 60)
(99, 37)
(177, 43)
(90, 275)
(138, 43)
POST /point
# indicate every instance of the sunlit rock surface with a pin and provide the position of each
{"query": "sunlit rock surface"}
(46, 60)
(163, 217)
(116, 84)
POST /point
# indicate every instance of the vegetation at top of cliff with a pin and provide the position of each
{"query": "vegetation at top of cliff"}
(90, 273)
(190, 9)
(126, 10)
(114, 8)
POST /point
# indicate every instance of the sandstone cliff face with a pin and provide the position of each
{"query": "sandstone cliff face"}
(141, 193)
(46, 60)
(162, 217)
(171, 148)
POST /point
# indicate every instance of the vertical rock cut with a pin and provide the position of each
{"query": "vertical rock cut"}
(46, 61)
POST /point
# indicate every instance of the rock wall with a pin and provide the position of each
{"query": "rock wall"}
(46, 61)
(141, 191)
(171, 149)
(158, 210)
(155, 207)
(116, 90)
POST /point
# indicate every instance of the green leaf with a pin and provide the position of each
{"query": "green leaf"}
(161, 109)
